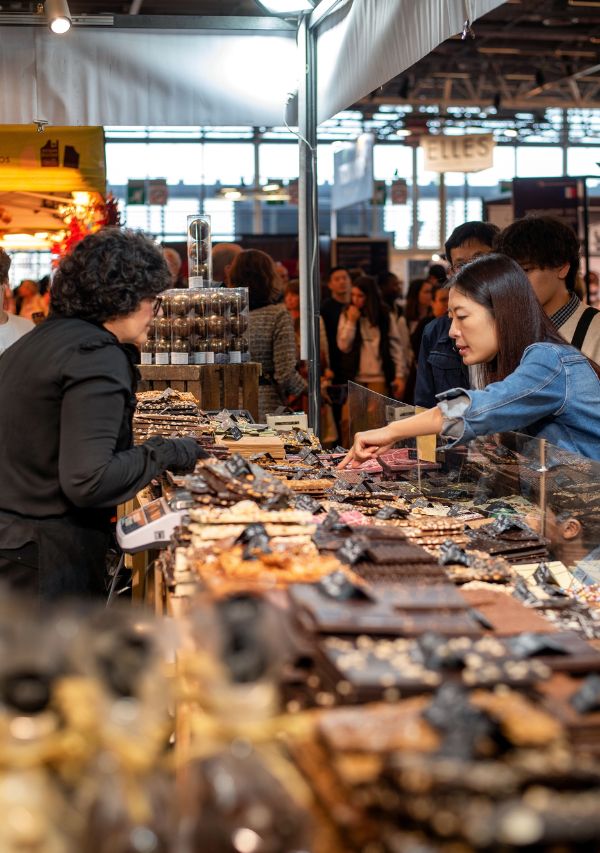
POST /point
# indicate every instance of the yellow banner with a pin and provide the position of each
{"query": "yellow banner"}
(60, 159)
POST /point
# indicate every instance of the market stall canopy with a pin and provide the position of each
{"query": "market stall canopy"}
(59, 160)
(368, 42)
(131, 77)
(235, 73)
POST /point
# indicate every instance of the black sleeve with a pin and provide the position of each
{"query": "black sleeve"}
(97, 387)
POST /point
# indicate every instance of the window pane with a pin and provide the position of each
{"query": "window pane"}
(539, 162)
(502, 170)
(176, 161)
(457, 212)
(325, 163)
(278, 161)
(429, 223)
(125, 160)
(398, 219)
(387, 159)
(221, 217)
(424, 178)
(228, 163)
(583, 161)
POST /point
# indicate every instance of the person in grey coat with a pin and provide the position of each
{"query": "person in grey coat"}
(270, 333)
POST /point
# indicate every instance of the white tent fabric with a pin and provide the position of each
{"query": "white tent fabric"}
(367, 42)
(132, 77)
(106, 76)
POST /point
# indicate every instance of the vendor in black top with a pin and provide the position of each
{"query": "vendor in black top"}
(67, 396)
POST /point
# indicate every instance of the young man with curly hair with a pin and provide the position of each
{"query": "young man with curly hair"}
(67, 396)
(548, 252)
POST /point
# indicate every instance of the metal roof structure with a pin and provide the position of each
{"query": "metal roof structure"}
(517, 71)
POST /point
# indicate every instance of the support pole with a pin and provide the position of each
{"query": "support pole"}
(414, 237)
(308, 223)
(443, 201)
(257, 213)
(565, 143)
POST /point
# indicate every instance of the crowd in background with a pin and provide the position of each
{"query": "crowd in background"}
(29, 300)
(371, 332)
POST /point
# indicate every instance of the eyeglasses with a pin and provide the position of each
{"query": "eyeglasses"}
(157, 305)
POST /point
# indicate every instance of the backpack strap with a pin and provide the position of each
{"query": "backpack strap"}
(583, 326)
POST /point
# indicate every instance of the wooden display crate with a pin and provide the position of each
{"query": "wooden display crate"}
(215, 386)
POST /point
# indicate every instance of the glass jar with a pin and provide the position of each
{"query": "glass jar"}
(180, 351)
(162, 351)
(220, 349)
(201, 303)
(216, 326)
(199, 250)
(219, 302)
(162, 326)
(181, 327)
(180, 304)
(238, 324)
(147, 351)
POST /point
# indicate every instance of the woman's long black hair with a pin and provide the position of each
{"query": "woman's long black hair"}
(499, 284)
(375, 309)
(411, 309)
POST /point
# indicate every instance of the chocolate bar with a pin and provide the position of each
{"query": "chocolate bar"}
(377, 614)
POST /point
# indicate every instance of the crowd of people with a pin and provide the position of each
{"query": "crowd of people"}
(506, 343)
(401, 346)
(518, 348)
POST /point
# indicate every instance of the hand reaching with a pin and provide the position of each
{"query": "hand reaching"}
(367, 445)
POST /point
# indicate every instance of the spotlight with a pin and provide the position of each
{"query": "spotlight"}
(58, 16)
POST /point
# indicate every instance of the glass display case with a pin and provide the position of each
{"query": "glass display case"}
(555, 492)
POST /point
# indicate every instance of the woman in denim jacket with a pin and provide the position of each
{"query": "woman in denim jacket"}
(535, 382)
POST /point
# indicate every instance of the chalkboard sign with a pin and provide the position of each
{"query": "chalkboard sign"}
(371, 255)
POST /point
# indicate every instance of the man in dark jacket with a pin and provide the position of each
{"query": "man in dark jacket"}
(67, 395)
(340, 285)
(440, 367)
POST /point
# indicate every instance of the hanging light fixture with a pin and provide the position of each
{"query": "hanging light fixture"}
(58, 15)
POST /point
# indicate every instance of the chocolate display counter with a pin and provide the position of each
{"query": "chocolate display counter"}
(401, 658)
(422, 638)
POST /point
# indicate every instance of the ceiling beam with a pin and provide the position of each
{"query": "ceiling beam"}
(225, 23)
(515, 103)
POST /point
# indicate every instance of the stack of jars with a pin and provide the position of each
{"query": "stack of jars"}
(200, 326)
(199, 250)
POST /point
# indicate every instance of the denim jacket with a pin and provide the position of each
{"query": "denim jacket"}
(440, 367)
(554, 394)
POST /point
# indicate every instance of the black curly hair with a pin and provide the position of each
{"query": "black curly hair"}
(107, 275)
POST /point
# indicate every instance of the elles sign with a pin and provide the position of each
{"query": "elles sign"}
(470, 153)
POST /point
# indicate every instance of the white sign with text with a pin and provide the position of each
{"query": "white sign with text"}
(470, 153)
